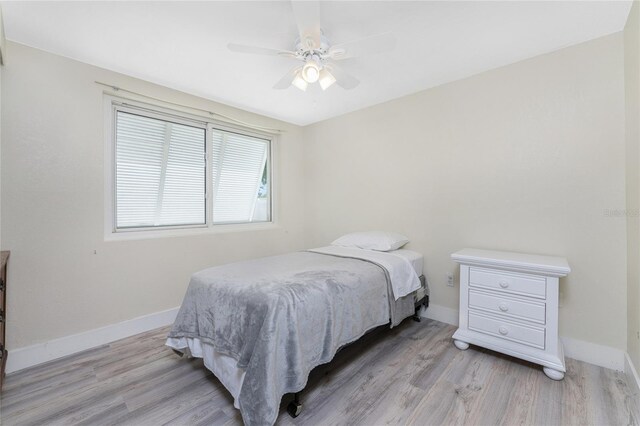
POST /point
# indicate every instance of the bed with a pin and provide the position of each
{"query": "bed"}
(262, 325)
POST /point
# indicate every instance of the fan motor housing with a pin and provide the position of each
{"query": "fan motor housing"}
(320, 51)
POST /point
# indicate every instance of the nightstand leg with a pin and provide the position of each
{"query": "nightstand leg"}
(463, 346)
(553, 374)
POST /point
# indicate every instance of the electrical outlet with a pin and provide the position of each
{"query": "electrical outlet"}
(450, 279)
(638, 334)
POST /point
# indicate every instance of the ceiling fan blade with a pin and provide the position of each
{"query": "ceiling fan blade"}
(241, 48)
(366, 46)
(286, 80)
(307, 14)
(343, 79)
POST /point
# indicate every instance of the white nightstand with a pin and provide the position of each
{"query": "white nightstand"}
(509, 304)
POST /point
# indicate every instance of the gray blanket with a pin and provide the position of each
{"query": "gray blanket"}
(281, 316)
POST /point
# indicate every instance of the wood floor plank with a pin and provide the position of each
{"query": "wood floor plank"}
(551, 399)
(612, 397)
(411, 374)
(632, 395)
(14, 403)
(519, 408)
(420, 371)
(359, 395)
(180, 400)
(432, 409)
(470, 374)
(205, 413)
(336, 377)
(165, 384)
(103, 417)
(54, 368)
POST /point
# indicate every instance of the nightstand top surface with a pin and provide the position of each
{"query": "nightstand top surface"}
(532, 263)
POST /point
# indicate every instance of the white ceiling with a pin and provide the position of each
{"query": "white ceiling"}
(183, 44)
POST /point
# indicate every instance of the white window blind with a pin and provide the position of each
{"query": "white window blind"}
(240, 177)
(160, 172)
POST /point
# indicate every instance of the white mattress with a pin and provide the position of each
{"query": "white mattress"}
(416, 259)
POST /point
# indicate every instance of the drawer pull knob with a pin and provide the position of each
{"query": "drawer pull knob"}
(504, 284)
(503, 307)
(503, 330)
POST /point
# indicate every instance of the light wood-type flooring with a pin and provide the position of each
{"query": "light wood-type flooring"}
(411, 374)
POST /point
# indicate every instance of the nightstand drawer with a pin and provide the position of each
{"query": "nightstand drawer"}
(506, 306)
(509, 283)
(507, 330)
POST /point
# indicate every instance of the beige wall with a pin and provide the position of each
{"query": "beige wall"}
(53, 208)
(1, 68)
(632, 102)
(526, 158)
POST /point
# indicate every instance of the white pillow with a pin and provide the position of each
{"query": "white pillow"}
(372, 240)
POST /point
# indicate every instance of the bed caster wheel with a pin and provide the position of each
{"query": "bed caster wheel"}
(294, 409)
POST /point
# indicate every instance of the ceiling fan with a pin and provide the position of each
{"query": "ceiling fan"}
(317, 54)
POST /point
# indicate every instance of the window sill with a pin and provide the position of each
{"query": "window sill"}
(186, 232)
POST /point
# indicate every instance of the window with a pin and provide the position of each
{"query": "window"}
(175, 171)
(160, 172)
(240, 178)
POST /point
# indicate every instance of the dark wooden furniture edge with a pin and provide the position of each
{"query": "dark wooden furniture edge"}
(4, 259)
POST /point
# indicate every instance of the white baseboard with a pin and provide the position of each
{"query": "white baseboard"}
(632, 375)
(593, 353)
(29, 356)
(440, 313)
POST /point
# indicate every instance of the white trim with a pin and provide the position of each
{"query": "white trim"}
(441, 313)
(593, 353)
(185, 232)
(632, 375)
(187, 109)
(21, 358)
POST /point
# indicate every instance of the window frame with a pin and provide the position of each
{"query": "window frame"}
(113, 104)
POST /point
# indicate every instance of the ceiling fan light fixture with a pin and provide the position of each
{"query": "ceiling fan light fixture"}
(326, 79)
(311, 70)
(300, 82)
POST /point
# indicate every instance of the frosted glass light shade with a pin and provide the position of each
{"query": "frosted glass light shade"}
(299, 82)
(326, 79)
